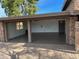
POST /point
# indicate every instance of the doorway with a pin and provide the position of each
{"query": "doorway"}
(62, 27)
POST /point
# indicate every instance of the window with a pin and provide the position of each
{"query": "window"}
(19, 25)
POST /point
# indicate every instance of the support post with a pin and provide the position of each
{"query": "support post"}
(77, 36)
(29, 31)
(3, 32)
(70, 30)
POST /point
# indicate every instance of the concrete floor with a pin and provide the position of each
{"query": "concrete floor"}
(49, 38)
(43, 38)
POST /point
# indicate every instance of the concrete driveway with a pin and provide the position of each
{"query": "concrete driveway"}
(36, 51)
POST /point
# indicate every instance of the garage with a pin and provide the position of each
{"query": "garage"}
(43, 31)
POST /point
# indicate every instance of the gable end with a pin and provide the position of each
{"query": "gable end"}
(67, 3)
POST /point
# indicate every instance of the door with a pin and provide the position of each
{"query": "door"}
(62, 26)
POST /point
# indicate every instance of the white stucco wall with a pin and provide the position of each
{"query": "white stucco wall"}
(12, 32)
(45, 26)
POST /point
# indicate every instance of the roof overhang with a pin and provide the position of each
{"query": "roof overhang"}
(33, 17)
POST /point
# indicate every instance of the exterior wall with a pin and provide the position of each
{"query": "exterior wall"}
(70, 30)
(77, 36)
(74, 5)
(12, 32)
(45, 26)
(71, 6)
(2, 37)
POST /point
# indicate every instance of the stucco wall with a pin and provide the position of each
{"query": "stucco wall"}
(45, 26)
(12, 32)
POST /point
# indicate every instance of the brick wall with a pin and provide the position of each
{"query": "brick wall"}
(70, 30)
(71, 6)
(1, 32)
(74, 5)
(77, 35)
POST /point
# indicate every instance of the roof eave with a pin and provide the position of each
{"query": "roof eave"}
(36, 16)
(66, 4)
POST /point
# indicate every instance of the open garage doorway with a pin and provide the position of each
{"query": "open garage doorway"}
(50, 32)
(42, 31)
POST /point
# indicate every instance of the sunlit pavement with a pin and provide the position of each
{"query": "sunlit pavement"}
(36, 51)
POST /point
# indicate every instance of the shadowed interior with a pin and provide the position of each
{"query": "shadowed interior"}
(49, 38)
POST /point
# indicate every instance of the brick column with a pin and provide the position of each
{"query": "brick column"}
(3, 37)
(70, 30)
(77, 36)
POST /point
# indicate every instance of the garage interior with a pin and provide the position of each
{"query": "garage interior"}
(54, 33)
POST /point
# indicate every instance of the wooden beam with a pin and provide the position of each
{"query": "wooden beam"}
(5, 31)
(29, 31)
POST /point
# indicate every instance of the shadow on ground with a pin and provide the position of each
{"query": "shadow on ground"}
(42, 47)
(36, 51)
